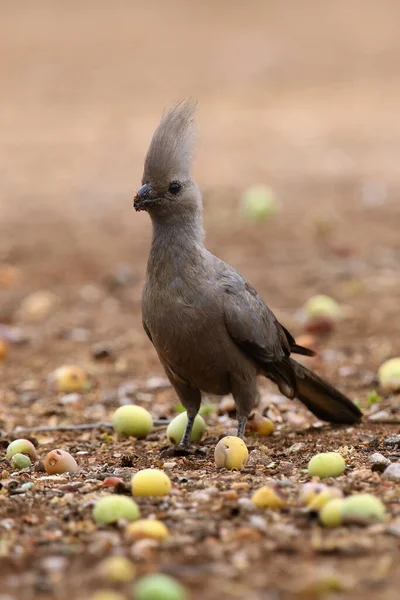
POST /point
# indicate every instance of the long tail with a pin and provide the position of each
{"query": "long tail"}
(325, 401)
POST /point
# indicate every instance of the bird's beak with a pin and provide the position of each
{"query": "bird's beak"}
(144, 198)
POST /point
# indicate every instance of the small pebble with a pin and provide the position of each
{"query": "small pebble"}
(392, 473)
(378, 462)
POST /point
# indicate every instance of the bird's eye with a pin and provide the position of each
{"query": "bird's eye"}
(174, 188)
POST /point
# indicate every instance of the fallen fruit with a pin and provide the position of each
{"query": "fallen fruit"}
(146, 528)
(261, 425)
(268, 497)
(159, 587)
(21, 446)
(107, 595)
(311, 490)
(117, 569)
(362, 509)
(231, 452)
(259, 203)
(176, 428)
(109, 509)
(3, 349)
(68, 379)
(21, 461)
(59, 461)
(330, 514)
(326, 464)
(37, 305)
(323, 306)
(325, 496)
(389, 376)
(150, 482)
(132, 420)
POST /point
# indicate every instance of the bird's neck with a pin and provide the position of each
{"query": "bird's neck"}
(177, 243)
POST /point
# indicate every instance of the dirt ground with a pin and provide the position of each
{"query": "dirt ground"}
(301, 96)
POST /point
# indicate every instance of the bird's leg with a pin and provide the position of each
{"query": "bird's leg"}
(191, 400)
(185, 441)
(242, 421)
(245, 394)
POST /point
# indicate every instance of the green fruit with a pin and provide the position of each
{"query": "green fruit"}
(111, 508)
(362, 509)
(259, 203)
(326, 464)
(159, 587)
(132, 420)
(324, 307)
(389, 375)
(176, 428)
(330, 514)
(21, 461)
(21, 447)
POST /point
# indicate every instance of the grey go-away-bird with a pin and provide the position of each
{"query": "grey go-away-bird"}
(211, 330)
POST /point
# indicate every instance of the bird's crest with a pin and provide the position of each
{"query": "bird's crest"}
(171, 149)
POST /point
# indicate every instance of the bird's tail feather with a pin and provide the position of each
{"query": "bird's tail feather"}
(321, 398)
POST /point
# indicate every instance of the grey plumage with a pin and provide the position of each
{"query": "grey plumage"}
(211, 330)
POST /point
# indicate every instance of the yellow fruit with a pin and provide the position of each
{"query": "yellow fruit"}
(231, 452)
(69, 379)
(389, 376)
(107, 595)
(326, 464)
(324, 497)
(310, 491)
(150, 482)
(132, 420)
(146, 528)
(323, 306)
(330, 514)
(118, 569)
(268, 497)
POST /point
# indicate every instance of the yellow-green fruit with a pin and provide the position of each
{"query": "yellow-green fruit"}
(150, 482)
(21, 446)
(146, 528)
(323, 306)
(326, 464)
(261, 425)
(159, 587)
(330, 514)
(323, 498)
(107, 595)
(362, 509)
(118, 569)
(132, 420)
(176, 428)
(69, 379)
(268, 497)
(21, 461)
(259, 203)
(109, 509)
(231, 452)
(389, 375)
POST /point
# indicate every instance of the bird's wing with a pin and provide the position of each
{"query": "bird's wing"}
(249, 321)
(147, 331)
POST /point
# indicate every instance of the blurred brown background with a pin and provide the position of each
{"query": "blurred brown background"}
(303, 96)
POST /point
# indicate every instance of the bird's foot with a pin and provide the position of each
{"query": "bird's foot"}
(182, 450)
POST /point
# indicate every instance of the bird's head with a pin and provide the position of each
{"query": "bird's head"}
(167, 187)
